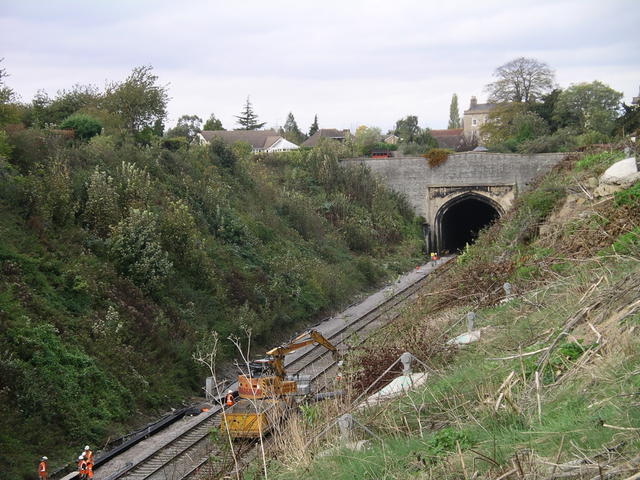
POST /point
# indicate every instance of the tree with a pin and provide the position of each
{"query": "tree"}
(83, 126)
(521, 80)
(545, 107)
(8, 111)
(139, 101)
(366, 137)
(629, 122)
(511, 124)
(314, 126)
(188, 126)
(588, 107)
(454, 113)
(248, 120)
(407, 129)
(212, 123)
(291, 131)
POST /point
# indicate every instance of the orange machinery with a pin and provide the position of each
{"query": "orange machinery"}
(264, 392)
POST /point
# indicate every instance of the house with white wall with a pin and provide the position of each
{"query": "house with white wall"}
(268, 141)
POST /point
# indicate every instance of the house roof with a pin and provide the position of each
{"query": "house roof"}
(449, 138)
(451, 132)
(258, 139)
(481, 108)
(334, 133)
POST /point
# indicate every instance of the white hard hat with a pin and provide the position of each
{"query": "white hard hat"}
(229, 391)
(45, 458)
(81, 457)
(86, 447)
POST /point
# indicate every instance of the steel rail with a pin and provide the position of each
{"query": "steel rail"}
(356, 325)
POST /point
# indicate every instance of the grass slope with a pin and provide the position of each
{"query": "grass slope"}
(554, 379)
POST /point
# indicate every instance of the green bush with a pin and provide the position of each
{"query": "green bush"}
(50, 192)
(31, 146)
(136, 250)
(562, 140)
(437, 156)
(84, 126)
(5, 146)
(174, 143)
(102, 209)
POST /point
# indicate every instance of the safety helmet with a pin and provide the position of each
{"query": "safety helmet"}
(81, 457)
(45, 458)
(229, 391)
(86, 447)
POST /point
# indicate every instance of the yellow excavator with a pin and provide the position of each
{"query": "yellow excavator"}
(265, 394)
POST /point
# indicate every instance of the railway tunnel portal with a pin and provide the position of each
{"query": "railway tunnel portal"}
(460, 219)
(463, 195)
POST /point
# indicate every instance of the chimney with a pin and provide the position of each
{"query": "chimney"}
(474, 102)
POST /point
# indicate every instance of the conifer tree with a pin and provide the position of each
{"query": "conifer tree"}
(314, 126)
(291, 131)
(248, 120)
(454, 114)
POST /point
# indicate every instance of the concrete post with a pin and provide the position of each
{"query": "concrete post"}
(209, 388)
(406, 358)
(345, 424)
(471, 317)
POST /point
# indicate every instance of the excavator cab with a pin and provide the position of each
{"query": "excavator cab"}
(260, 368)
(266, 376)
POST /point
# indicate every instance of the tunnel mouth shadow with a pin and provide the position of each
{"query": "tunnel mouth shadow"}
(460, 220)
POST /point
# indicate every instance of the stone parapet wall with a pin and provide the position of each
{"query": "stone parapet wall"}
(413, 176)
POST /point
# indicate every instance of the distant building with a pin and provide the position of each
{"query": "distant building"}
(392, 139)
(476, 116)
(260, 140)
(332, 133)
(452, 138)
(636, 100)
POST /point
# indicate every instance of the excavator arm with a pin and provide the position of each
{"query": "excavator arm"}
(307, 338)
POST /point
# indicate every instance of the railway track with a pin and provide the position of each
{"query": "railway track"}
(192, 455)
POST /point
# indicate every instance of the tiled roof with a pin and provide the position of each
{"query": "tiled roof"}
(451, 138)
(334, 133)
(481, 108)
(258, 139)
(446, 133)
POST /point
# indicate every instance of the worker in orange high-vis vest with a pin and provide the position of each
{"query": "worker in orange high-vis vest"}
(89, 471)
(88, 457)
(82, 468)
(42, 468)
(228, 400)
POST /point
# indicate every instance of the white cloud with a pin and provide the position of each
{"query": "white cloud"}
(350, 62)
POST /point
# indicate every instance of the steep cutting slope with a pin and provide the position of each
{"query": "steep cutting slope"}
(114, 259)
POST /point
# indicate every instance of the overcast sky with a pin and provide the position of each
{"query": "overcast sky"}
(350, 62)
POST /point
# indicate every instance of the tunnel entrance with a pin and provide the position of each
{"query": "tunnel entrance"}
(462, 218)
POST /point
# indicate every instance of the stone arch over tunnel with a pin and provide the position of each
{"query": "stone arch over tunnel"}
(460, 219)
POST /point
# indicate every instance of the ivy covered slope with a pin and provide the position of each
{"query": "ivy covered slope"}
(550, 389)
(114, 258)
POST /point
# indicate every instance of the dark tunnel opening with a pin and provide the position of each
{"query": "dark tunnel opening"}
(462, 221)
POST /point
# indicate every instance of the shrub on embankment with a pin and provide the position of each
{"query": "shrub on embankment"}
(573, 260)
(114, 258)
